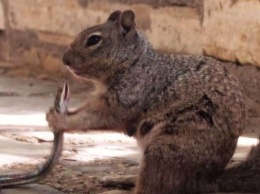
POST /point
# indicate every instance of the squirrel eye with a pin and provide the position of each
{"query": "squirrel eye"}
(92, 40)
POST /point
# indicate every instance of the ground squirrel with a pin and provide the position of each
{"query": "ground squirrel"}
(185, 111)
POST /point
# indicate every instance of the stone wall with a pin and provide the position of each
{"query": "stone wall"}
(35, 33)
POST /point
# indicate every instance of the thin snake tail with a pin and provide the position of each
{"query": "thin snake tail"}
(15, 179)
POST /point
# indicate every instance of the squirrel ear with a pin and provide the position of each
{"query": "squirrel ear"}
(128, 20)
(114, 16)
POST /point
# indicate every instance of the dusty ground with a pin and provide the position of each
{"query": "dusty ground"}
(81, 168)
(82, 177)
(87, 158)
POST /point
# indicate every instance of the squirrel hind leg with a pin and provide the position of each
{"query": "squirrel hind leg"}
(174, 164)
(159, 176)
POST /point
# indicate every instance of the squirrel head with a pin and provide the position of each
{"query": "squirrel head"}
(99, 51)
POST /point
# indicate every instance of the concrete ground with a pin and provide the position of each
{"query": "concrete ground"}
(25, 141)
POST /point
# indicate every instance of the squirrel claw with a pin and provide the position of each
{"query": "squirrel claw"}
(56, 121)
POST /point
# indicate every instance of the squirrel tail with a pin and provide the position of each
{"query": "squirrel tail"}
(243, 177)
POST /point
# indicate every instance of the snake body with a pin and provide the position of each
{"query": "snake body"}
(60, 106)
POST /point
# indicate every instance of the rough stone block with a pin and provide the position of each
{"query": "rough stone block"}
(2, 16)
(173, 29)
(228, 30)
(66, 17)
(169, 28)
(232, 30)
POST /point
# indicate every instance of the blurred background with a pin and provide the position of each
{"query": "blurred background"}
(34, 35)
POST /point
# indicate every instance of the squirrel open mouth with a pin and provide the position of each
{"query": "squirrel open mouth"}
(72, 69)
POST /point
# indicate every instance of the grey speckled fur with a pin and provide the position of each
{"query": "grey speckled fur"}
(185, 111)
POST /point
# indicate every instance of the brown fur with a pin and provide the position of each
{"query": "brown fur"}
(185, 111)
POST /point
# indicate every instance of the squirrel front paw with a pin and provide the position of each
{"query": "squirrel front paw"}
(56, 121)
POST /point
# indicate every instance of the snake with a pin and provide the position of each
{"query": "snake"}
(15, 179)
